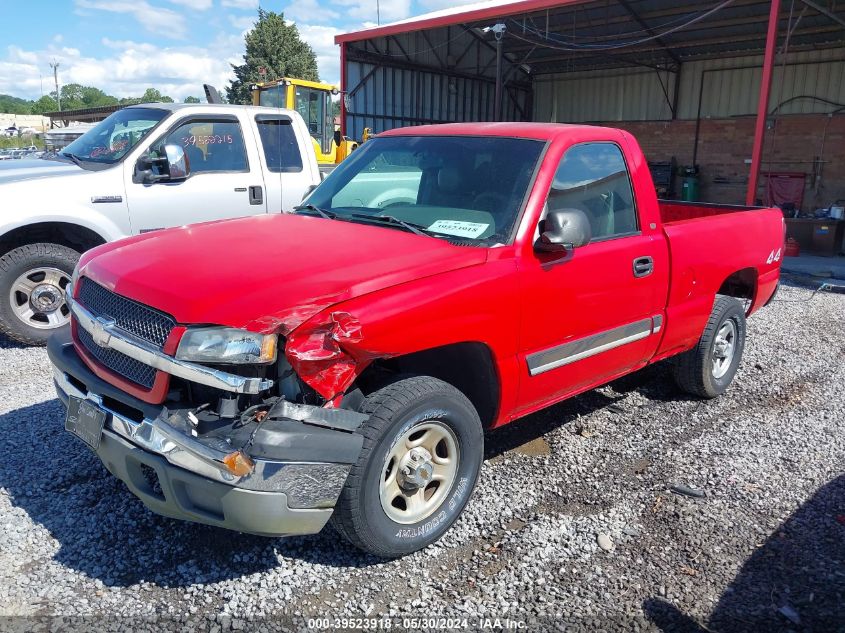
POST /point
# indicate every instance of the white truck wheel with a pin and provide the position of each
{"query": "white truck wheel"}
(33, 279)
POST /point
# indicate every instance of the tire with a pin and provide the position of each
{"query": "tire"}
(417, 408)
(46, 270)
(696, 370)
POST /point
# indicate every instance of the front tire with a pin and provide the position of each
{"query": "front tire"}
(709, 368)
(33, 279)
(422, 452)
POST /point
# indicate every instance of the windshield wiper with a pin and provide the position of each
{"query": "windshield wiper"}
(389, 219)
(73, 157)
(313, 207)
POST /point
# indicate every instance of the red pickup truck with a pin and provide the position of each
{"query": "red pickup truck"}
(343, 361)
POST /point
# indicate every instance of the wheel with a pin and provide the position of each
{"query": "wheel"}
(33, 279)
(422, 452)
(708, 368)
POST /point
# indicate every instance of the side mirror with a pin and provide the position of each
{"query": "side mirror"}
(564, 229)
(308, 191)
(152, 168)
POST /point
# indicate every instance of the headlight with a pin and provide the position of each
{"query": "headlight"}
(74, 280)
(226, 345)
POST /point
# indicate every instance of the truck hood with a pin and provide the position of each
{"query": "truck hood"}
(267, 273)
(32, 168)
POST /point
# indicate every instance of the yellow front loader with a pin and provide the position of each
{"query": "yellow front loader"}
(313, 100)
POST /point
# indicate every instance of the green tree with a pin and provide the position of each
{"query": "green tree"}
(76, 96)
(72, 96)
(14, 105)
(277, 48)
(153, 95)
(95, 98)
(44, 104)
(192, 100)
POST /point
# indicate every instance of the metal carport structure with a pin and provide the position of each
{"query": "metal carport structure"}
(442, 66)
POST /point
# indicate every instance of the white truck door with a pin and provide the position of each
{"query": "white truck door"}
(225, 175)
(287, 173)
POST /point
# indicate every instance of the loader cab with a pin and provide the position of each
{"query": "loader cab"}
(313, 101)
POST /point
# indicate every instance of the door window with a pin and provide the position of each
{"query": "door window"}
(593, 178)
(311, 107)
(278, 139)
(210, 145)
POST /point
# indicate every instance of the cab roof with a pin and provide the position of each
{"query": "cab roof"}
(540, 131)
(222, 107)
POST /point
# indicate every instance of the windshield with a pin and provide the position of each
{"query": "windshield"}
(111, 139)
(466, 187)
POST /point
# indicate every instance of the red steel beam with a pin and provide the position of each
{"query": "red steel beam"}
(494, 11)
(763, 103)
(343, 88)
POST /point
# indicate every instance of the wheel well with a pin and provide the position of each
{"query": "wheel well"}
(64, 233)
(468, 367)
(742, 284)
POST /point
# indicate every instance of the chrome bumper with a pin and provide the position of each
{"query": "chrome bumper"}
(106, 334)
(305, 484)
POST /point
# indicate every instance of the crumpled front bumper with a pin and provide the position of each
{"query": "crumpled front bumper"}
(179, 476)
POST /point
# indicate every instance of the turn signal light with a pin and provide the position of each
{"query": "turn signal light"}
(239, 464)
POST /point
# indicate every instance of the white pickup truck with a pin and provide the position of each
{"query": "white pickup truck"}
(144, 168)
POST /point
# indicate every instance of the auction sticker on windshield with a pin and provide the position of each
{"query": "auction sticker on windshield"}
(459, 228)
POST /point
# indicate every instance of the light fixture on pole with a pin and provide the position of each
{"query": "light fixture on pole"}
(499, 32)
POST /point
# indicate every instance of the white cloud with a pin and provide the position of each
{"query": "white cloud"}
(127, 69)
(241, 4)
(434, 5)
(158, 20)
(309, 11)
(196, 5)
(383, 10)
(321, 39)
(242, 23)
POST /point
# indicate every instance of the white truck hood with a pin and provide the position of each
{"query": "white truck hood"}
(33, 168)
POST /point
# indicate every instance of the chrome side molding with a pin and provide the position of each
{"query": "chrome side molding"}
(572, 351)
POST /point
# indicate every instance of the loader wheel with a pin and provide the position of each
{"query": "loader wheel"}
(33, 279)
(423, 447)
(709, 368)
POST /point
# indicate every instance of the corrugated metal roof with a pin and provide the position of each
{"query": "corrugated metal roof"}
(570, 35)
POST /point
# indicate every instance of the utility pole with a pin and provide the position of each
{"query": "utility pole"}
(55, 66)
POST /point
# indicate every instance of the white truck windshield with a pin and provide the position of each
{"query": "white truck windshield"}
(111, 139)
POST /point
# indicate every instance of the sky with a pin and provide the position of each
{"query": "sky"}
(126, 46)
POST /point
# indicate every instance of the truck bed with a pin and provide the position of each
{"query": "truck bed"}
(676, 211)
(708, 243)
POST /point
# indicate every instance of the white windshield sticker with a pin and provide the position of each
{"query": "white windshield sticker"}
(459, 228)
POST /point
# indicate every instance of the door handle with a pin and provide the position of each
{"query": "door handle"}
(256, 195)
(643, 266)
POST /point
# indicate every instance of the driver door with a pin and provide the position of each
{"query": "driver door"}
(220, 185)
(589, 314)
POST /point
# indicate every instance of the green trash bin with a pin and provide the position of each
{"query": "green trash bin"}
(689, 192)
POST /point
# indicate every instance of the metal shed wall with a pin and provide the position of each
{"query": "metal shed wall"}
(731, 88)
(427, 77)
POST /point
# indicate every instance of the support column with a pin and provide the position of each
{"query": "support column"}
(343, 88)
(763, 104)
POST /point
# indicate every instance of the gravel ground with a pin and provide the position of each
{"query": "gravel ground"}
(574, 524)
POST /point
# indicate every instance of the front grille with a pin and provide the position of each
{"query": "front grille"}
(118, 362)
(143, 322)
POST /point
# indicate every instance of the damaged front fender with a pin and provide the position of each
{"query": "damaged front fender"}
(328, 352)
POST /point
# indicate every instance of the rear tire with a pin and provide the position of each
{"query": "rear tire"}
(32, 283)
(709, 368)
(382, 509)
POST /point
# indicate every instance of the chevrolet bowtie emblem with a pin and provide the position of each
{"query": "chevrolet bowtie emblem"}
(101, 331)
